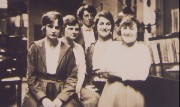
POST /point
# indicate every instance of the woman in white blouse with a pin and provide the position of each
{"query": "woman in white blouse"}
(99, 52)
(128, 69)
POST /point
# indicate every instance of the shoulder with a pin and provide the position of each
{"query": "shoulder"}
(36, 44)
(39, 42)
(143, 47)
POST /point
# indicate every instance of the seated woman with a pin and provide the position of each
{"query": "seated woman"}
(71, 32)
(99, 52)
(52, 71)
(129, 69)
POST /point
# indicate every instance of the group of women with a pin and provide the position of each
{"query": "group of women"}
(57, 67)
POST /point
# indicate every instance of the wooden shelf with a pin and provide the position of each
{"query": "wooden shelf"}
(173, 35)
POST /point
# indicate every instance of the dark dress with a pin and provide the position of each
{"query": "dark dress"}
(41, 84)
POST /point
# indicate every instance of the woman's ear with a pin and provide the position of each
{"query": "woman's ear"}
(43, 29)
(118, 30)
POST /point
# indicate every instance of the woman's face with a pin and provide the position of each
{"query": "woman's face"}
(104, 27)
(129, 33)
(88, 18)
(72, 31)
(53, 30)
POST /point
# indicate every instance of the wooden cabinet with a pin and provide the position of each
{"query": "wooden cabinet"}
(13, 54)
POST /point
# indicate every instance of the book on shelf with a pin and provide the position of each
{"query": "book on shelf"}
(175, 20)
(168, 48)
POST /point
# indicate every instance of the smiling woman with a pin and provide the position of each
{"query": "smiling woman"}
(129, 69)
(99, 52)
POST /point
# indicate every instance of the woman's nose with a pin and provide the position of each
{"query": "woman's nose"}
(53, 29)
(105, 26)
(89, 17)
(73, 31)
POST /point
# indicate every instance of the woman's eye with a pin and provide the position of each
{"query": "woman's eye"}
(57, 27)
(101, 23)
(124, 27)
(70, 28)
(77, 29)
(108, 24)
(50, 26)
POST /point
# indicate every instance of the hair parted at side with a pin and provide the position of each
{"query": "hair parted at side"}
(127, 21)
(105, 14)
(70, 20)
(89, 8)
(49, 17)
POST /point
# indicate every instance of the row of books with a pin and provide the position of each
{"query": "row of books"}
(165, 50)
(175, 20)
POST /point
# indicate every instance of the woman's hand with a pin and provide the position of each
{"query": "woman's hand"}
(57, 102)
(47, 103)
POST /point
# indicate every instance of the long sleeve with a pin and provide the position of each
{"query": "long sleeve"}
(70, 83)
(31, 73)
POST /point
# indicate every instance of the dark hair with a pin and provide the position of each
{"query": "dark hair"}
(105, 14)
(49, 17)
(89, 8)
(70, 20)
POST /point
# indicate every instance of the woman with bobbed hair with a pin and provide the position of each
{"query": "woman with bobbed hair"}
(108, 16)
(129, 69)
(71, 31)
(99, 52)
(51, 68)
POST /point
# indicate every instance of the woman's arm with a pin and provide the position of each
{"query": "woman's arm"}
(71, 81)
(31, 76)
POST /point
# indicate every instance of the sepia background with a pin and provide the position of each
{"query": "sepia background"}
(20, 25)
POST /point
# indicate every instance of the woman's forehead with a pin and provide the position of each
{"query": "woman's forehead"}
(54, 22)
(128, 23)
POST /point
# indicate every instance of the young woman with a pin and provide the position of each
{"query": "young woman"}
(129, 69)
(52, 71)
(99, 52)
(71, 32)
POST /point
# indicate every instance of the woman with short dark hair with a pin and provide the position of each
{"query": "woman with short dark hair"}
(52, 71)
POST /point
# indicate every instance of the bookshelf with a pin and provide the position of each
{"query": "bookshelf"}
(165, 55)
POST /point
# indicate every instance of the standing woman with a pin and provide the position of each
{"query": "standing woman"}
(52, 71)
(99, 52)
(129, 69)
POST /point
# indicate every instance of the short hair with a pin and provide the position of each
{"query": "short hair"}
(105, 14)
(49, 17)
(70, 20)
(89, 8)
(128, 21)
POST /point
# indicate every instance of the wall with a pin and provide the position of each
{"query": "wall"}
(35, 12)
(110, 5)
